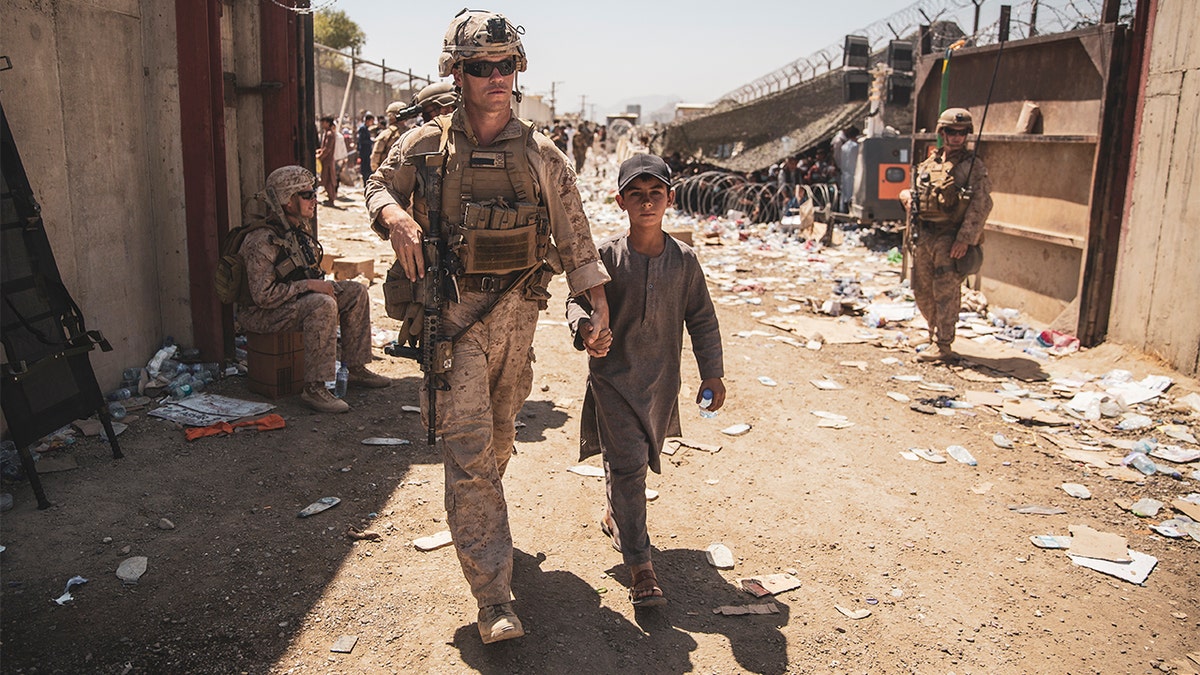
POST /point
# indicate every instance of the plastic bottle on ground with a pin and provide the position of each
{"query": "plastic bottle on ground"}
(116, 410)
(119, 394)
(706, 399)
(341, 381)
(1141, 462)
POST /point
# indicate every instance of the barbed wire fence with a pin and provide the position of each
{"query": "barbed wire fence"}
(347, 84)
(1029, 18)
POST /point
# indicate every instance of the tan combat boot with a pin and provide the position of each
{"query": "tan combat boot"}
(499, 622)
(361, 377)
(317, 397)
(943, 352)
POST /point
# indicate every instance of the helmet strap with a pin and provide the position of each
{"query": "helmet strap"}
(516, 89)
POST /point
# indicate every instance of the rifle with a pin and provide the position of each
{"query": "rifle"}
(436, 351)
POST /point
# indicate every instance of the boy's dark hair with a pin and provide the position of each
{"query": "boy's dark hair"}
(327, 118)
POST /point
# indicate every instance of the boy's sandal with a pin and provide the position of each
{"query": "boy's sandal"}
(645, 591)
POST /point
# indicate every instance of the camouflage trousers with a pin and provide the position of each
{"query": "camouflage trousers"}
(936, 285)
(318, 316)
(491, 377)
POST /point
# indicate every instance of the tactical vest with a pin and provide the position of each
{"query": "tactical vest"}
(491, 205)
(939, 200)
(299, 255)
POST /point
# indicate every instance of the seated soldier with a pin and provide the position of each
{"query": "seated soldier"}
(289, 292)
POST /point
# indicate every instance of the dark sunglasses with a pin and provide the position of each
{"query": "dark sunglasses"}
(484, 68)
(307, 194)
(955, 132)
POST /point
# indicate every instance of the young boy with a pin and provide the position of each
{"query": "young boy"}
(632, 399)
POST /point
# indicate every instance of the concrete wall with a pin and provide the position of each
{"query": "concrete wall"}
(1156, 307)
(93, 104)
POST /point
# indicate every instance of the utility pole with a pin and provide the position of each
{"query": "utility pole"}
(583, 106)
(553, 85)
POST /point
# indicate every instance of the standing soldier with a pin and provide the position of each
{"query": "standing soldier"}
(503, 183)
(948, 207)
(385, 139)
(580, 144)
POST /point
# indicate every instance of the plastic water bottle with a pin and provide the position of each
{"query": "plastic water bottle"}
(119, 394)
(706, 399)
(343, 379)
(117, 410)
(1141, 462)
(961, 455)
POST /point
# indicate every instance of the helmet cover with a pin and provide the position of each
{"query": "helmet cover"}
(475, 33)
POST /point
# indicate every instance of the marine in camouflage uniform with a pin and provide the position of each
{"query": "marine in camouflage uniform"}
(495, 160)
(936, 278)
(388, 137)
(289, 292)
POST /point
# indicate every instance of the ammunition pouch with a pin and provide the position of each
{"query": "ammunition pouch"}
(497, 239)
(404, 302)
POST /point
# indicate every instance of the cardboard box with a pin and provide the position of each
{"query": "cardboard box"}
(349, 268)
(684, 235)
(275, 363)
(327, 261)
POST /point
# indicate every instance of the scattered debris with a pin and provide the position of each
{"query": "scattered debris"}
(318, 506)
(66, 596)
(736, 430)
(928, 455)
(1090, 543)
(344, 644)
(132, 569)
(1076, 490)
(719, 556)
(587, 470)
(738, 610)
(769, 584)
(854, 614)
(433, 541)
(1134, 572)
(386, 441)
(961, 455)
(1037, 510)
(363, 535)
(1050, 541)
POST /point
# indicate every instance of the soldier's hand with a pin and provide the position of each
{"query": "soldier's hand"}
(320, 286)
(596, 341)
(958, 250)
(405, 239)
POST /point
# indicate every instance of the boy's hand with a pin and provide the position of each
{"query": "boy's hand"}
(717, 387)
(596, 341)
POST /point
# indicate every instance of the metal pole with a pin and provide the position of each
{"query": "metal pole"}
(1033, 8)
(383, 89)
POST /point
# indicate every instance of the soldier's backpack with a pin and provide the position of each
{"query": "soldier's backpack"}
(938, 199)
(230, 275)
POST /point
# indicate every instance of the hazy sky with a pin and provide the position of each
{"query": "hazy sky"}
(616, 50)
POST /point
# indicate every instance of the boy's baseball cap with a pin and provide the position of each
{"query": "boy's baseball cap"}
(643, 165)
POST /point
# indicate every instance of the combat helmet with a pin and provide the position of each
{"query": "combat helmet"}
(475, 33)
(437, 94)
(395, 108)
(284, 182)
(958, 118)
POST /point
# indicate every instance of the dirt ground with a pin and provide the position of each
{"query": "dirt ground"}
(947, 570)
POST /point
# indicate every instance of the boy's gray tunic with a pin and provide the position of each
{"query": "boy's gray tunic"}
(631, 404)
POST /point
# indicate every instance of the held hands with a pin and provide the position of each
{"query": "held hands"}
(405, 239)
(597, 338)
(596, 341)
(717, 387)
(958, 250)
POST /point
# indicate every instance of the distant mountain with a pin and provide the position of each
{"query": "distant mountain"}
(655, 107)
